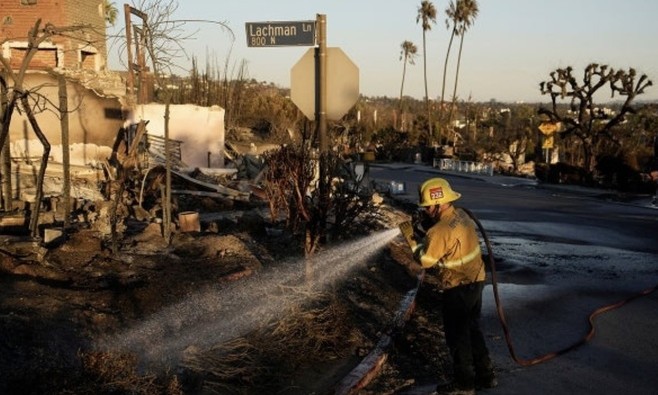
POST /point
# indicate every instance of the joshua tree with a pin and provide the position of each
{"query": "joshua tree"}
(586, 121)
(426, 14)
(407, 55)
(463, 18)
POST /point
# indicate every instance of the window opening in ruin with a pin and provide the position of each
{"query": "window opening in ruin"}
(87, 60)
(44, 58)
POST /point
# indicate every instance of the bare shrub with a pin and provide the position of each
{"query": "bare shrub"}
(112, 372)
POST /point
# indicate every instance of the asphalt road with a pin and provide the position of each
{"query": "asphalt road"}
(561, 254)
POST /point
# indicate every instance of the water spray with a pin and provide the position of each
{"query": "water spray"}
(222, 313)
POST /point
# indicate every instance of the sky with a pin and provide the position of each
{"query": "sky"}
(512, 46)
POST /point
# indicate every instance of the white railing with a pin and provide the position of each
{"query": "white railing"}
(463, 166)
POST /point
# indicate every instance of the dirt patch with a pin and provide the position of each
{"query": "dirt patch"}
(53, 314)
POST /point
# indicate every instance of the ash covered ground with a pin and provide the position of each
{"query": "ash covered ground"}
(225, 310)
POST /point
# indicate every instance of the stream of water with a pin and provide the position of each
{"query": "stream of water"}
(225, 312)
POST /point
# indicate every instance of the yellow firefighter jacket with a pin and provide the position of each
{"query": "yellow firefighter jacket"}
(452, 246)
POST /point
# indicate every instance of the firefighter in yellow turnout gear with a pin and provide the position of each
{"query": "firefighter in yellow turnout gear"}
(450, 251)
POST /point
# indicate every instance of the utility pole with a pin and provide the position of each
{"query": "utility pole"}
(66, 156)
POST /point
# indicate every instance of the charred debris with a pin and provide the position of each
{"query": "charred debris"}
(273, 192)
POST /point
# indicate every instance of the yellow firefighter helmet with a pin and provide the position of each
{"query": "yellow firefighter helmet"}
(436, 191)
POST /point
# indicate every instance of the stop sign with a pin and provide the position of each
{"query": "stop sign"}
(342, 84)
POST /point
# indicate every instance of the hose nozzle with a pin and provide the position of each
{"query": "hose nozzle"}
(407, 230)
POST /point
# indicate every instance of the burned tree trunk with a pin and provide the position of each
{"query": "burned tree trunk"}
(125, 163)
(66, 158)
(5, 172)
(6, 119)
(34, 219)
(7, 196)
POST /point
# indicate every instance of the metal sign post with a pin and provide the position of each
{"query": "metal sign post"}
(321, 82)
(549, 129)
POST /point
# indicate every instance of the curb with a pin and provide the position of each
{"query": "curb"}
(370, 366)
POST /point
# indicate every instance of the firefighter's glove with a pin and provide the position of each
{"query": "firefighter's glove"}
(421, 222)
(407, 230)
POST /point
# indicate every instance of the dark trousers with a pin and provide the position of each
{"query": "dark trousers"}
(461, 320)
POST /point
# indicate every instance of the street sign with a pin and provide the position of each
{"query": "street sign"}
(342, 84)
(280, 34)
(548, 142)
(549, 128)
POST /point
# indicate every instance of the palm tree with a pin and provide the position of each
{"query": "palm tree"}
(450, 12)
(467, 11)
(426, 14)
(110, 11)
(408, 55)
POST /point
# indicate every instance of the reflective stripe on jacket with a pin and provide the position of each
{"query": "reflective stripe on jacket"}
(452, 246)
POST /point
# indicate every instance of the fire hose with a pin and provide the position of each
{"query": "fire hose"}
(360, 375)
(408, 233)
(503, 321)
